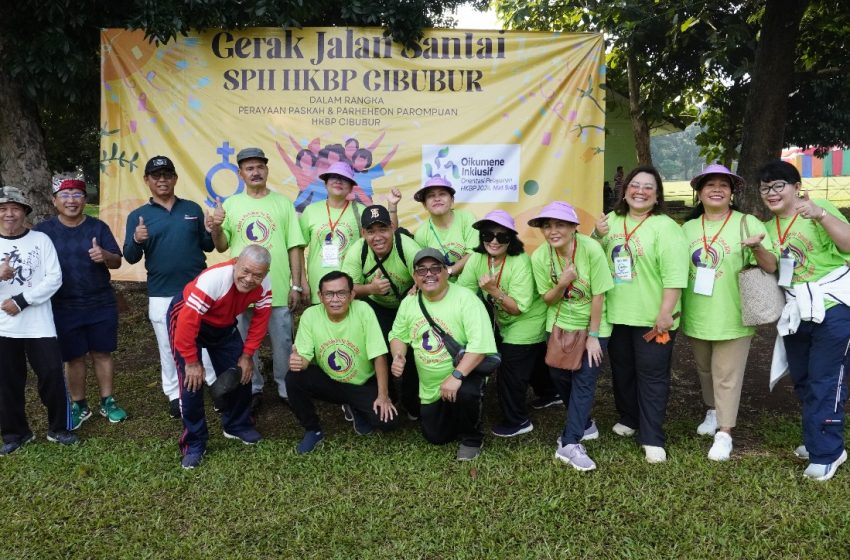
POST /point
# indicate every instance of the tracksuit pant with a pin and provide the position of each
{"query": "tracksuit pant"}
(819, 359)
(641, 380)
(313, 383)
(224, 346)
(578, 389)
(442, 421)
(409, 378)
(280, 334)
(45, 358)
(518, 363)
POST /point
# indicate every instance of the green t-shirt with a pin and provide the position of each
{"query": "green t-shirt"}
(343, 350)
(594, 278)
(400, 275)
(659, 261)
(718, 316)
(461, 314)
(516, 281)
(456, 241)
(316, 229)
(813, 250)
(271, 222)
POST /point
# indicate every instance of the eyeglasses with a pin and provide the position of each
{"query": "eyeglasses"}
(71, 195)
(502, 238)
(167, 175)
(642, 186)
(776, 187)
(424, 271)
(339, 294)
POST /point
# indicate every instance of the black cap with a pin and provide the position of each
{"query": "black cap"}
(375, 214)
(251, 153)
(159, 162)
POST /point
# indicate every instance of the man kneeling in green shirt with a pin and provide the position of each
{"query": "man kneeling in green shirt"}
(343, 339)
(451, 396)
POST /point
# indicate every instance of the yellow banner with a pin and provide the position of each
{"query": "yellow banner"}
(513, 120)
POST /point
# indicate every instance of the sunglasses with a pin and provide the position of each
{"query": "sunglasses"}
(424, 271)
(502, 238)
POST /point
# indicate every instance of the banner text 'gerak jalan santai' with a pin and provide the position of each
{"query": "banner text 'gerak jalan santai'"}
(350, 47)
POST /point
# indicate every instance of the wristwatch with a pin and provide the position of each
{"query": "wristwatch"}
(298, 289)
(457, 375)
(449, 270)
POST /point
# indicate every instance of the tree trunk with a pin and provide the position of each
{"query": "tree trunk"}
(767, 101)
(640, 127)
(23, 160)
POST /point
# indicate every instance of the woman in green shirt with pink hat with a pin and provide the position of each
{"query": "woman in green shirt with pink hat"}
(718, 249)
(500, 271)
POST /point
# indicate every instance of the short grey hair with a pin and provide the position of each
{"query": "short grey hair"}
(257, 253)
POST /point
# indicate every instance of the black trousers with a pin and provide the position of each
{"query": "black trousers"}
(444, 421)
(312, 383)
(518, 364)
(641, 380)
(541, 381)
(45, 358)
(409, 383)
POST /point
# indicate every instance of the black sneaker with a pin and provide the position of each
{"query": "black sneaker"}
(64, 437)
(362, 426)
(191, 460)
(545, 402)
(347, 413)
(174, 408)
(12, 446)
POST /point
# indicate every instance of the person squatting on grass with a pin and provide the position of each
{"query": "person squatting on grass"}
(29, 275)
(260, 215)
(381, 266)
(85, 310)
(452, 396)
(711, 304)
(169, 232)
(499, 271)
(344, 340)
(572, 277)
(813, 239)
(204, 317)
(647, 254)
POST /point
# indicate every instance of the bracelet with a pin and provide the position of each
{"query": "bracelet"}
(594, 334)
(501, 297)
(822, 216)
(298, 289)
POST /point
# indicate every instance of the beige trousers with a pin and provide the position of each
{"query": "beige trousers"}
(721, 365)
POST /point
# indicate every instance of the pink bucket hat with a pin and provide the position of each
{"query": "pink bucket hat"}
(558, 210)
(339, 168)
(717, 169)
(435, 181)
(499, 217)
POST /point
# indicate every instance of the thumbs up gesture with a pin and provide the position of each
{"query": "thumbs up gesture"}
(602, 225)
(6, 270)
(218, 214)
(140, 235)
(296, 361)
(380, 286)
(95, 253)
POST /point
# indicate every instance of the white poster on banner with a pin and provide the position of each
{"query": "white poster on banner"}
(478, 172)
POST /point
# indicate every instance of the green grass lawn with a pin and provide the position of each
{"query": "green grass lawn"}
(122, 494)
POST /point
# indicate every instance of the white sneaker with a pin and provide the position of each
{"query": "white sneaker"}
(623, 430)
(801, 452)
(654, 454)
(821, 472)
(709, 425)
(722, 447)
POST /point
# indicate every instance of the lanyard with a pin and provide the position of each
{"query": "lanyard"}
(569, 289)
(443, 247)
(629, 234)
(784, 236)
(333, 224)
(716, 235)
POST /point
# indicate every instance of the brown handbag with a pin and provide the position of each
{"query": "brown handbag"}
(565, 349)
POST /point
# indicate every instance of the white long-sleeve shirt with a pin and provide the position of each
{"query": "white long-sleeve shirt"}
(37, 277)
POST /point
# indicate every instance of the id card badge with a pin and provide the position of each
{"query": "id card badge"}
(704, 282)
(330, 255)
(622, 269)
(786, 271)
